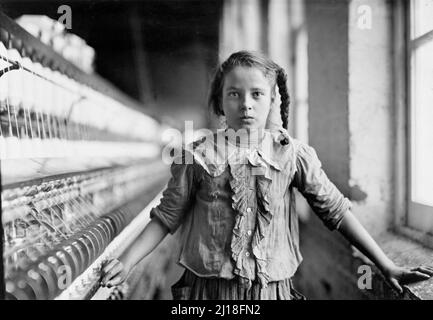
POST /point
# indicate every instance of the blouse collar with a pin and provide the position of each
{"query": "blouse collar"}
(214, 152)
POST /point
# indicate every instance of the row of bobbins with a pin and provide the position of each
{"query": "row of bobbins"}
(46, 277)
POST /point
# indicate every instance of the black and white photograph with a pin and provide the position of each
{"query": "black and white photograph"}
(227, 151)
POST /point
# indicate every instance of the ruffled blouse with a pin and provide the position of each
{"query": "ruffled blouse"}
(237, 207)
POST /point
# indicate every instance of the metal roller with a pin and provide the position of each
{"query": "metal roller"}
(121, 215)
(94, 241)
(100, 234)
(110, 223)
(47, 271)
(80, 250)
(85, 249)
(124, 214)
(90, 244)
(107, 227)
(38, 283)
(106, 232)
(76, 257)
(116, 223)
(97, 238)
(69, 265)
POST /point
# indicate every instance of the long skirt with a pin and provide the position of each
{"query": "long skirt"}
(192, 287)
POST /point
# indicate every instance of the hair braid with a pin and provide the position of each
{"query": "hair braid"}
(285, 100)
(284, 94)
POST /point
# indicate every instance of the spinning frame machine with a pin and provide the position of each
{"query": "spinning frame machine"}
(80, 170)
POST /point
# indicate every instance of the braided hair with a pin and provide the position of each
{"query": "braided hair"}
(270, 69)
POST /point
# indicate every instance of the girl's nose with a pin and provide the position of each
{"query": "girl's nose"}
(246, 103)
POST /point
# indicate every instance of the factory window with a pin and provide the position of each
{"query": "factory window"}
(420, 115)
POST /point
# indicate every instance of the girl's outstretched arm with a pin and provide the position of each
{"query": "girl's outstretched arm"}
(115, 271)
(353, 231)
(165, 218)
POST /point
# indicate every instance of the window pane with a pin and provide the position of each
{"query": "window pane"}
(422, 125)
(422, 17)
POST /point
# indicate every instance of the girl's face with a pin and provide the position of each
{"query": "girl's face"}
(247, 98)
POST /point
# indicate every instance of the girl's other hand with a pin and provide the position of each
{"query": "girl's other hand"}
(114, 272)
(398, 276)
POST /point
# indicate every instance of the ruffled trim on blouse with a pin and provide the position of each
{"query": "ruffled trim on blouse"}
(239, 205)
(264, 215)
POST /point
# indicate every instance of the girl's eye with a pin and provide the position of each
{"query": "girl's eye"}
(257, 94)
(233, 94)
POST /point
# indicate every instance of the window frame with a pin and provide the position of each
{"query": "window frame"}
(411, 217)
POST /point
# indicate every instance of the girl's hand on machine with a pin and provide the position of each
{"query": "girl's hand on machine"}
(114, 272)
(398, 276)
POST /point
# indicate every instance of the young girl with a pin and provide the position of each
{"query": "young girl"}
(232, 192)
